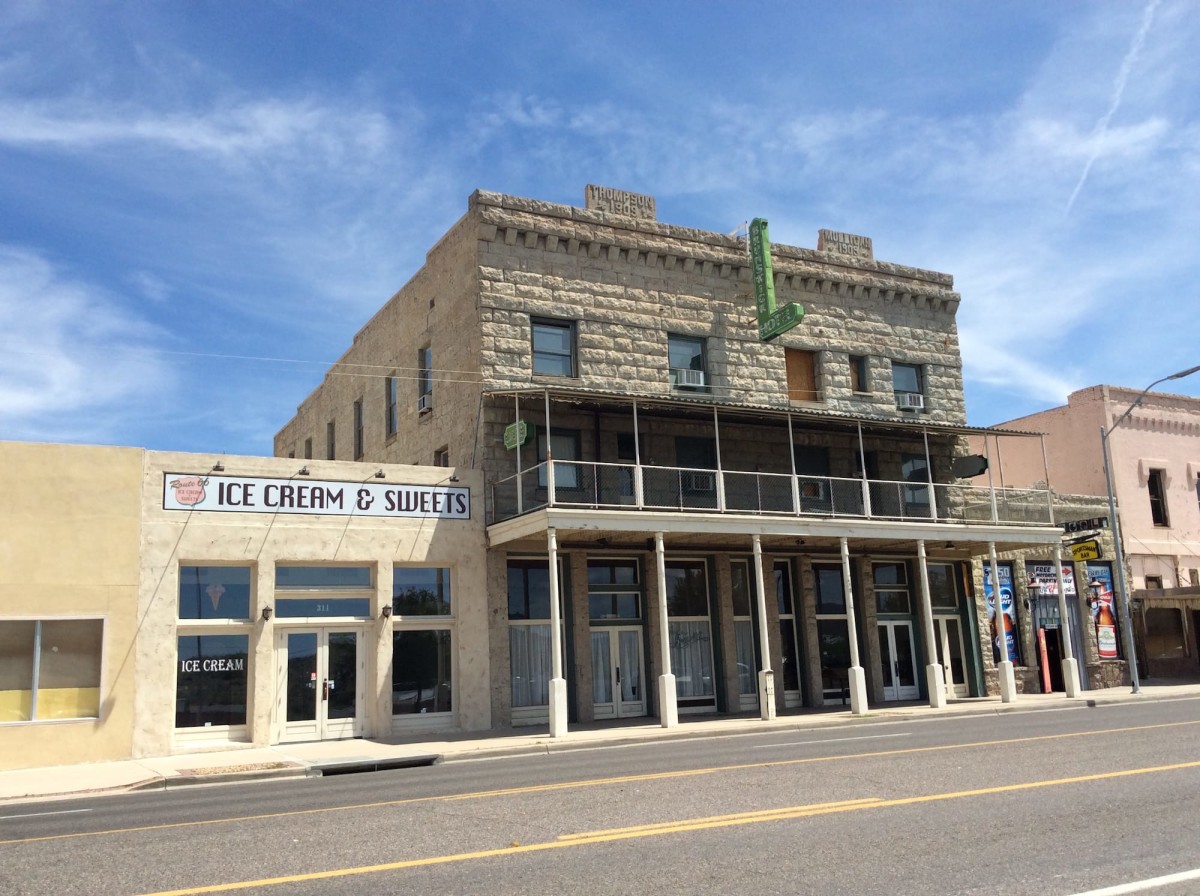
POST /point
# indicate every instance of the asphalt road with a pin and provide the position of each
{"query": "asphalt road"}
(1054, 803)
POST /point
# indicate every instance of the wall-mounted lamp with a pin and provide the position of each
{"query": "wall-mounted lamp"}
(379, 474)
(453, 479)
(303, 471)
(386, 612)
(266, 614)
(218, 467)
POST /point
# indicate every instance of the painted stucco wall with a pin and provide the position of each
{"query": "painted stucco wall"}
(69, 524)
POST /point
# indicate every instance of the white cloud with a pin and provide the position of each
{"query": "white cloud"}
(69, 352)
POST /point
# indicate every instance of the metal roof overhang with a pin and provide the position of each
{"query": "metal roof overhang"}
(682, 406)
(718, 532)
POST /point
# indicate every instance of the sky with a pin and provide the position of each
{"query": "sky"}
(202, 203)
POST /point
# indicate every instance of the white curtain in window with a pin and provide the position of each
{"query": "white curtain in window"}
(601, 668)
(691, 658)
(743, 631)
(529, 647)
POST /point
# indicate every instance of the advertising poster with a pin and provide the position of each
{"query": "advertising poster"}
(1008, 612)
(1104, 611)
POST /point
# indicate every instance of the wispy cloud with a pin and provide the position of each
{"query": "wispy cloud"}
(1119, 83)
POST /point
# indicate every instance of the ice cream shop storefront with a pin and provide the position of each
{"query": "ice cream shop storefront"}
(285, 600)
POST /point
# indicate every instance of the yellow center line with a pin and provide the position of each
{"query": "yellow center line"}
(696, 824)
(600, 782)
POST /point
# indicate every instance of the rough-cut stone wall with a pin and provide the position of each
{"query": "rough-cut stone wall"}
(628, 283)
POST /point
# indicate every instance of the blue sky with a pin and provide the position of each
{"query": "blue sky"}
(201, 203)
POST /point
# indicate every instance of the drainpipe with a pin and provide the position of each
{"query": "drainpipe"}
(766, 678)
(935, 682)
(668, 700)
(857, 678)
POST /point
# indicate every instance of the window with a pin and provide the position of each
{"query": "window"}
(529, 631)
(564, 446)
(690, 634)
(50, 669)
(789, 643)
(421, 671)
(859, 381)
(692, 454)
(891, 588)
(614, 591)
(915, 468)
(425, 378)
(907, 378)
(553, 347)
(1164, 634)
(689, 367)
(211, 685)
(330, 441)
(801, 375)
(833, 627)
(421, 591)
(391, 398)
(1154, 583)
(322, 591)
(441, 457)
(743, 627)
(358, 430)
(1156, 486)
(214, 592)
(308, 449)
(943, 593)
(812, 466)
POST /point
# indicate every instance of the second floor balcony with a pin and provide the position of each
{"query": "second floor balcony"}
(641, 487)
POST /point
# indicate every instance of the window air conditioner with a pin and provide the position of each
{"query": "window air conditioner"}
(685, 376)
(425, 403)
(910, 401)
(700, 482)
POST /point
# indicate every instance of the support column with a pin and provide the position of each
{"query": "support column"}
(935, 683)
(558, 684)
(1004, 669)
(766, 678)
(668, 700)
(857, 678)
(1070, 669)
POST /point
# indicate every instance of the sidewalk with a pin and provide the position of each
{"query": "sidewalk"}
(339, 757)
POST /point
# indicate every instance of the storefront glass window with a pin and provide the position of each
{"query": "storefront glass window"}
(214, 592)
(211, 684)
(421, 671)
(690, 631)
(529, 631)
(421, 591)
(50, 669)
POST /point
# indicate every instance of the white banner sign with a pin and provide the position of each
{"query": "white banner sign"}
(189, 491)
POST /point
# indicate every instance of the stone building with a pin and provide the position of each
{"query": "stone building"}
(1155, 465)
(743, 515)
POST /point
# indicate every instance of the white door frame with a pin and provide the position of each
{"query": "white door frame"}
(627, 687)
(322, 684)
(942, 637)
(892, 689)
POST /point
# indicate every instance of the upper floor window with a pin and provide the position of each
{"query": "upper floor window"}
(330, 441)
(564, 446)
(425, 379)
(801, 375)
(441, 457)
(1156, 485)
(553, 347)
(909, 386)
(308, 449)
(689, 366)
(358, 430)
(391, 399)
(859, 381)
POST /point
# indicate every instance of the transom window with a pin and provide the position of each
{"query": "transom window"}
(891, 588)
(553, 347)
(321, 591)
(614, 590)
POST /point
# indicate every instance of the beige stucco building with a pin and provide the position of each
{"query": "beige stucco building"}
(156, 602)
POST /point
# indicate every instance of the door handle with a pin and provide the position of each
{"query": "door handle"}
(618, 674)
(325, 690)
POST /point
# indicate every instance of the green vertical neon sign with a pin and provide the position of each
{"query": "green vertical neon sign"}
(771, 320)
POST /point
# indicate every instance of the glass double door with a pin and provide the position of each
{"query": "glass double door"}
(321, 683)
(618, 689)
(898, 660)
(948, 636)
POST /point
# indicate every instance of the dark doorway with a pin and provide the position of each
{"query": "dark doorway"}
(1053, 658)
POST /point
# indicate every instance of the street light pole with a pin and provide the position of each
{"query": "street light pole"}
(1126, 620)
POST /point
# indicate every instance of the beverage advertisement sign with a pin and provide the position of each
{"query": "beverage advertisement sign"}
(1104, 611)
(1008, 614)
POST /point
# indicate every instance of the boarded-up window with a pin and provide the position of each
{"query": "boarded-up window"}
(801, 375)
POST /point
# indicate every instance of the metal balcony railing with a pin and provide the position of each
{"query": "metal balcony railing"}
(600, 486)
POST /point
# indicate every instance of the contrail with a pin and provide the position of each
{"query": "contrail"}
(1118, 90)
